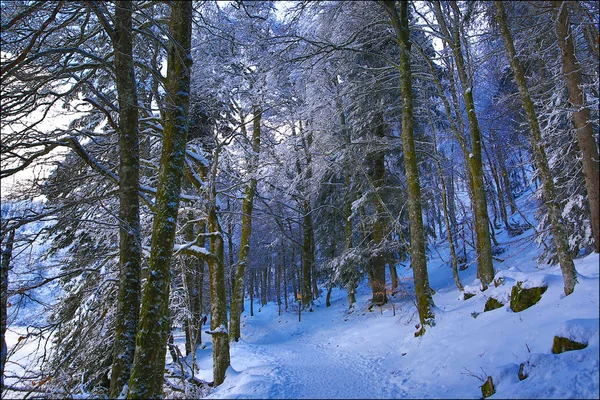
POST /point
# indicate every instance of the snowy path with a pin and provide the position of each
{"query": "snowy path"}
(373, 354)
(308, 367)
(310, 359)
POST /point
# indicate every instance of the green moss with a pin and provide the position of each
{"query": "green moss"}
(467, 296)
(492, 304)
(488, 388)
(521, 299)
(562, 344)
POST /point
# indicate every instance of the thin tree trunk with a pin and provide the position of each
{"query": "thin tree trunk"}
(485, 266)
(307, 256)
(263, 287)
(251, 292)
(417, 235)
(5, 265)
(445, 209)
(553, 207)
(238, 287)
(580, 115)
(148, 365)
(352, 284)
(285, 282)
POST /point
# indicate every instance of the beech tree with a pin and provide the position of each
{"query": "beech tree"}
(147, 371)
(554, 211)
(417, 237)
(580, 115)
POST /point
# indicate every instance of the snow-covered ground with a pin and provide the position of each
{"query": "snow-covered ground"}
(374, 354)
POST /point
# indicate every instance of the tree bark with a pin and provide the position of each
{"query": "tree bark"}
(148, 365)
(554, 209)
(128, 302)
(5, 267)
(238, 286)
(580, 115)
(218, 295)
(485, 266)
(380, 225)
(417, 235)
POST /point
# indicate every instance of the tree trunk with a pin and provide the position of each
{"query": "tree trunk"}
(554, 210)
(251, 292)
(417, 234)
(307, 256)
(445, 208)
(351, 284)
(485, 266)
(238, 287)
(128, 302)
(580, 115)
(263, 287)
(393, 274)
(285, 282)
(148, 365)
(218, 295)
(5, 265)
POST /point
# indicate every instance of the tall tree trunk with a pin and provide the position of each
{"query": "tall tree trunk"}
(485, 266)
(148, 365)
(580, 115)
(554, 210)
(352, 284)
(5, 268)
(445, 208)
(380, 226)
(191, 268)
(307, 256)
(128, 302)
(238, 286)
(285, 282)
(417, 235)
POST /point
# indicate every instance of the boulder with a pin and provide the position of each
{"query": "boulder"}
(492, 304)
(522, 298)
(488, 389)
(562, 344)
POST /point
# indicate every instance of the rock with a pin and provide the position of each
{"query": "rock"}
(488, 388)
(521, 298)
(467, 296)
(492, 304)
(522, 374)
(562, 344)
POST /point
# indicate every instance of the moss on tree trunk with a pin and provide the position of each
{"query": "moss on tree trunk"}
(580, 115)
(417, 235)
(552, 206)
(238, 285)
(128, 302)
(148, 365)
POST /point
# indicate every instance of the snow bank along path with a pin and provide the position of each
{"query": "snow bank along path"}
(331, 354)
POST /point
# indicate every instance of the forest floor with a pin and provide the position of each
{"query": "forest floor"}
(332, 353)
